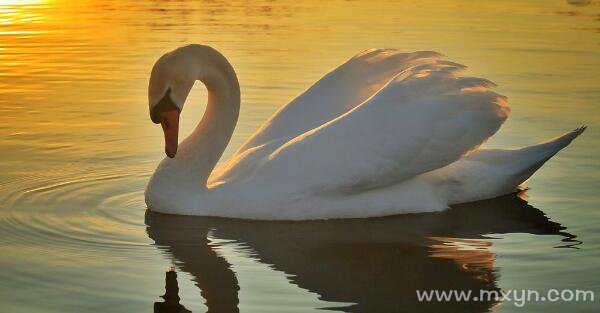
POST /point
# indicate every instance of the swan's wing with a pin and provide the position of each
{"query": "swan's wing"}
(336, 93)
(423, 119)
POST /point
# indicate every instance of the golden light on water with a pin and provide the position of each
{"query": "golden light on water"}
(20, 12)
(469, 254)
(21, 2)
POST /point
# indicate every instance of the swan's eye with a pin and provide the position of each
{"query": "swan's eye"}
(164, 105)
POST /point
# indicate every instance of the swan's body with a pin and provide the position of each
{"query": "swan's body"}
(385, 133)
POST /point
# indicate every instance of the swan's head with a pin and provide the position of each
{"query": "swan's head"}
(171, 80)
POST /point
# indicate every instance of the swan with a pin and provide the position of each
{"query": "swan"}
(384, 133)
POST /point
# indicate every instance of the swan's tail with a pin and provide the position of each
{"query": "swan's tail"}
(533, 157)
(489, 173)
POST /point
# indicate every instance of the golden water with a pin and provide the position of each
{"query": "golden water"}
(78, 147)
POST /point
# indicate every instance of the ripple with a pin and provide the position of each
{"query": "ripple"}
(71, 212)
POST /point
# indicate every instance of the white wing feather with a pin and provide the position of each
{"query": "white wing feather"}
(423, 119)
(339, 91)
(336, 93)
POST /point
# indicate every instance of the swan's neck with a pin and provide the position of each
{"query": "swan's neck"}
(199, 153)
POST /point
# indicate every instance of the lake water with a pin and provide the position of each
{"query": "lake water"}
(78, 147)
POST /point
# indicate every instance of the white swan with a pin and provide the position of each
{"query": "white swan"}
(384, 133)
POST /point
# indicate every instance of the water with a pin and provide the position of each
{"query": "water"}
(78, 148)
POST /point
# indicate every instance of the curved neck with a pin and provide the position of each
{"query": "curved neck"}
(199, 153)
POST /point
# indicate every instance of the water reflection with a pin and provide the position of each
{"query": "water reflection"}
(376, 264)
(171, 297)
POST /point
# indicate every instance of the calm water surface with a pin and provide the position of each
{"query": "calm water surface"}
(78, 148)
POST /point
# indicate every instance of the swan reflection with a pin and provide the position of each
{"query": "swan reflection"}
(375, 264)
(171, 297)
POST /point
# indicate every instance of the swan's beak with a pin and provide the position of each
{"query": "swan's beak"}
(170, 125)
